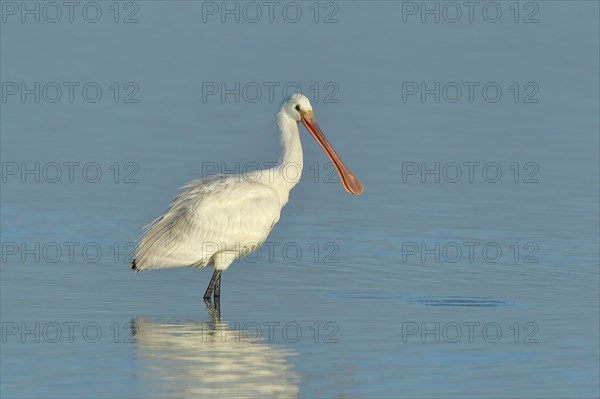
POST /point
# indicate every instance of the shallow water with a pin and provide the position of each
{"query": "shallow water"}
(417, 288)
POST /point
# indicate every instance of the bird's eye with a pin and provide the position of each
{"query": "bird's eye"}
(298, 107)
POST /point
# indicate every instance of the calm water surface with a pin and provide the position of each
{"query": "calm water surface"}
(417, 288)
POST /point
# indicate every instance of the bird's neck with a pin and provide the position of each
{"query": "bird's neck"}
(288, 171)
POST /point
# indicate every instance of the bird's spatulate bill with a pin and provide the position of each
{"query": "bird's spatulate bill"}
(350, 182)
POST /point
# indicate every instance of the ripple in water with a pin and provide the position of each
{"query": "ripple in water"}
(459, 301)
(473, 301)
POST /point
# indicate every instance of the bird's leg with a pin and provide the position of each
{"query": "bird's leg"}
(214, 281)
(218, 287)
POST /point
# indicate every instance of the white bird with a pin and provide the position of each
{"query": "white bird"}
(218, 219)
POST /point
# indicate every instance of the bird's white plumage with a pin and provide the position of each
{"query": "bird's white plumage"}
(218, 219)
(212, 221)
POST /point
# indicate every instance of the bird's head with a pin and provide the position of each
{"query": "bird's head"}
(296, 105)
(298, 108)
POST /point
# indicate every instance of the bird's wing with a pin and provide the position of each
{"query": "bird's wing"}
(221, 213)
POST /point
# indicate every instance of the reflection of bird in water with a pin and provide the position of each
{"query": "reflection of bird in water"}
(206, 360)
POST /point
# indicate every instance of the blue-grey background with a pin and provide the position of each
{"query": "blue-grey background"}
(375, 291)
